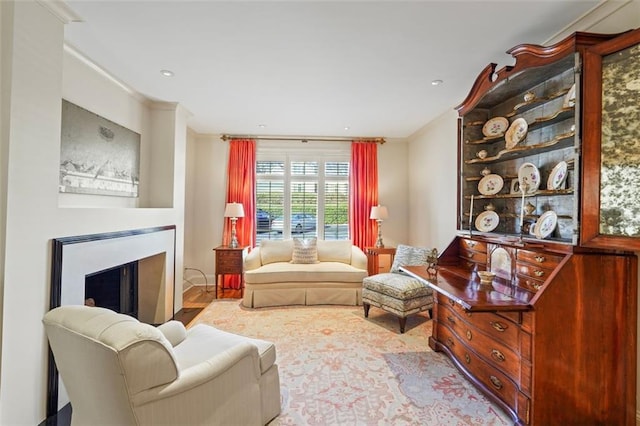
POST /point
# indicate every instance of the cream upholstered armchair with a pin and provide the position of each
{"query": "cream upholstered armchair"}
(118, 371)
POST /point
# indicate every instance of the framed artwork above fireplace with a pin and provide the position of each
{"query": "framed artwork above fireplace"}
(97, 156)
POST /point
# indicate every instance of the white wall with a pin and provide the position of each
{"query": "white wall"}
(207, 185)
(41, 75)
(393, 191)
(432, 184)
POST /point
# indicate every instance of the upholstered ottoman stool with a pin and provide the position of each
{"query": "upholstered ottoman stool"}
(398, 294)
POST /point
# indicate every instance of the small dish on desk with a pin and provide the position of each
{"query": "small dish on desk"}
(486, 277)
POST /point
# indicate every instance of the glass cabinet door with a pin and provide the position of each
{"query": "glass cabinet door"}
(611, 144)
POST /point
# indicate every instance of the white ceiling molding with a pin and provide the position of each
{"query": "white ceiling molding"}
(60, 10)
(589, 19)
(71, 50)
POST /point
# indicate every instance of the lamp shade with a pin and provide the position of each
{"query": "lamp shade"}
(379, 213)
(234, 210)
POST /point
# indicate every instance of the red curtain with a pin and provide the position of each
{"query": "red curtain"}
(363, 193)
(241, 181)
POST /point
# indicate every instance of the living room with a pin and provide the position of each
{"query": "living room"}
(178, 185)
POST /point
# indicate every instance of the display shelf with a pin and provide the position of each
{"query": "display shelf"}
(560, 115)
(527, 105)
(538, 193)
(560, 141)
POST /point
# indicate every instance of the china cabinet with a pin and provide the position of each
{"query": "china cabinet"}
(552, 339)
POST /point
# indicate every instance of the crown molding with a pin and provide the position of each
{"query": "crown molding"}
(589, 19)
(61, 10)
(73, 51)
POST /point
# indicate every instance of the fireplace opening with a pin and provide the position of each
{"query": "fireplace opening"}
(114, 288)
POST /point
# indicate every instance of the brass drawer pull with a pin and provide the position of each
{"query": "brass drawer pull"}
(496, 382)
(497, 355)
(471, 244)
(499, 326)
(471, 255)
(538, 273)
(450, 319)
(535, 285)
(469, 336)
(451, 302)
(449, 341)
(540, 259)
(467, 358)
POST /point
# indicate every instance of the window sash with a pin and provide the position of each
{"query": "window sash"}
(294, 184)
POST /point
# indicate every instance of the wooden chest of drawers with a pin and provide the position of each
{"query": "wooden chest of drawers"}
(533, 340)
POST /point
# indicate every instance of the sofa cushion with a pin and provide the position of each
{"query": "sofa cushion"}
(334, 251)
(409, 256)
(174, 331)
(283, 272)
(305, 251)
(398, 286)
(275, 251)
(190, 353)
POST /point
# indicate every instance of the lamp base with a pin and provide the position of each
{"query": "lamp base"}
(234, 239)
(379, 243)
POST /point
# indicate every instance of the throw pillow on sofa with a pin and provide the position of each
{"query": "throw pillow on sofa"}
(334, 251)
(272, 251)
(305, 251)
(409, 256)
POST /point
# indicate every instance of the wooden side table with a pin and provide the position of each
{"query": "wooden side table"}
(229, 261)
(373, 258)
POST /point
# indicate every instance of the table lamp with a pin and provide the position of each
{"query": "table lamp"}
(234, 211)
(379, 213)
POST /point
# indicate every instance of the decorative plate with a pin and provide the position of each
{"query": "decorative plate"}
(490, 184)
(546, 224)
(487, 221)
(557, 176)
(496, 126)
(570, 97)
(516, 132)
(529, 178)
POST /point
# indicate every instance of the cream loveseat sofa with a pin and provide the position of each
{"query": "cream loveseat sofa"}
(273, 279)
(118, 371)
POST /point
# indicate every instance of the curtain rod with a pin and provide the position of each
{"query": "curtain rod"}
(303, 139)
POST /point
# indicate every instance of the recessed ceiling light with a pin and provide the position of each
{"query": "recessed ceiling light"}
(262, 126)
(347, 127)
(436, 82)
(166, 73)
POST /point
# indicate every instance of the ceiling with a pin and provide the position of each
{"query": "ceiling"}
(310, 68)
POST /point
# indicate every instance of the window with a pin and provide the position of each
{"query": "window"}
(302, 194)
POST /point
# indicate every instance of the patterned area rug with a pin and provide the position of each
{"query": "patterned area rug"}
(338, 368)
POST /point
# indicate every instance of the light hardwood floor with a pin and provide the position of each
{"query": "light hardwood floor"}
(196, 298)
